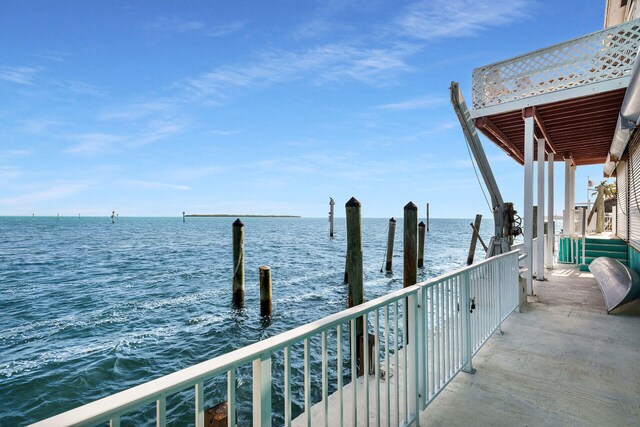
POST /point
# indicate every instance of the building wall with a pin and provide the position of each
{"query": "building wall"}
(619, 11)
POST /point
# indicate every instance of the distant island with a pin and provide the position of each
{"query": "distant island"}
(237, 216)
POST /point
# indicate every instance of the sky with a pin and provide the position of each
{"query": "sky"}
(151, 108)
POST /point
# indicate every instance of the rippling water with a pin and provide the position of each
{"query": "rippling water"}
(89, 308)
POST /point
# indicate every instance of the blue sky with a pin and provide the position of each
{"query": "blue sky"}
(266, 107)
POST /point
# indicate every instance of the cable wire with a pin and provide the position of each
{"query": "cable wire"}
(478, 178)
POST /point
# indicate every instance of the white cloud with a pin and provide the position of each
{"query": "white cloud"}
(179, 25)
(430, 19)
(10, 154)
(94, 143)
(10, 172)
(38, 126)
(414, 104)
(135, 111)
(190, 174)
(55, 192)
(20, 75)
(156, 185)
(329, 62)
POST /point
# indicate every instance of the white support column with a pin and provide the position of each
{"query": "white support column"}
(539, 268)
(572, 200)
(528, 200)
(550, 237)
(566, 231)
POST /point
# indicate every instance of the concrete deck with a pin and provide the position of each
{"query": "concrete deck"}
(563, 361)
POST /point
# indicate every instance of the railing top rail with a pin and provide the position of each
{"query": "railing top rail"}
(150, 391)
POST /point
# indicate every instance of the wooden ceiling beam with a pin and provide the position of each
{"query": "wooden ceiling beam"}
(543, 130)
(484, 123)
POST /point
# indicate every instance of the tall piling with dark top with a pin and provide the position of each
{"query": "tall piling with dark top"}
(427, 216)
(355, 269)
(421, 236)
(238, 263)
(183, 219)
(265, 291)
(410, 245)
(331, 205)
(474, 239)
(392, 232)
(410, 276)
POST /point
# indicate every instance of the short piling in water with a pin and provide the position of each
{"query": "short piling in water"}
(331, 205)
(474, 239)
(410, 276)
(265, 291)
(238, 263)
(183, 217)
(421, 236)
(390, 238)
(355, 269)
(217, 416)
(113, 217)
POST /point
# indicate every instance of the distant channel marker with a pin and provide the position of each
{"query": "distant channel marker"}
(237, 216)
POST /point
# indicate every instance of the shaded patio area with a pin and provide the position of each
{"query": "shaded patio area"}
(563, 361)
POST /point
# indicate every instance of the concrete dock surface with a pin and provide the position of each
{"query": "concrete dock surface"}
(563, 361)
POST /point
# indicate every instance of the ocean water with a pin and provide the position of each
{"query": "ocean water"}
(90, 308)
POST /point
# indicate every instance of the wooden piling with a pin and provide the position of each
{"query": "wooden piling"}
(183, 218)
(355, 268)
(265, 291)
(390, 238)
(331, 205)
(427, 216)
(238, 263)
(217, 416)
(421, 236)
(410, 244)
(354, 252)
(113, 217)
(474, 239)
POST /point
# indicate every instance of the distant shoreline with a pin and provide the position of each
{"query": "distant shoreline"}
(238, 216)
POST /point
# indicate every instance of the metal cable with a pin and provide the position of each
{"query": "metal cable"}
(478, 178)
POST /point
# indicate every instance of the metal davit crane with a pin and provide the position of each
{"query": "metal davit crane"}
(504, 216)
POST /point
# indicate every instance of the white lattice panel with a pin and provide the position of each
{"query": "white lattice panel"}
(596, 57)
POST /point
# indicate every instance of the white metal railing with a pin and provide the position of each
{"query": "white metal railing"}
(456, 312)
(597, 57)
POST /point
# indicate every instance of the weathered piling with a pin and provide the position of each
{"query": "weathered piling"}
(427, 216)
(355, 268)
(265, 291)
(392, 232)
(113, 217)
(238, 263)
(474, 239)
(421, 234)
(410, 276)
(354, 252)
(183, 218)
(217, 416)
(331, 205)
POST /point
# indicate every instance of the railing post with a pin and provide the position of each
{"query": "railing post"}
(502, 265)
(262, 391)
(413, 359)
(466, 316)
(422, 354)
